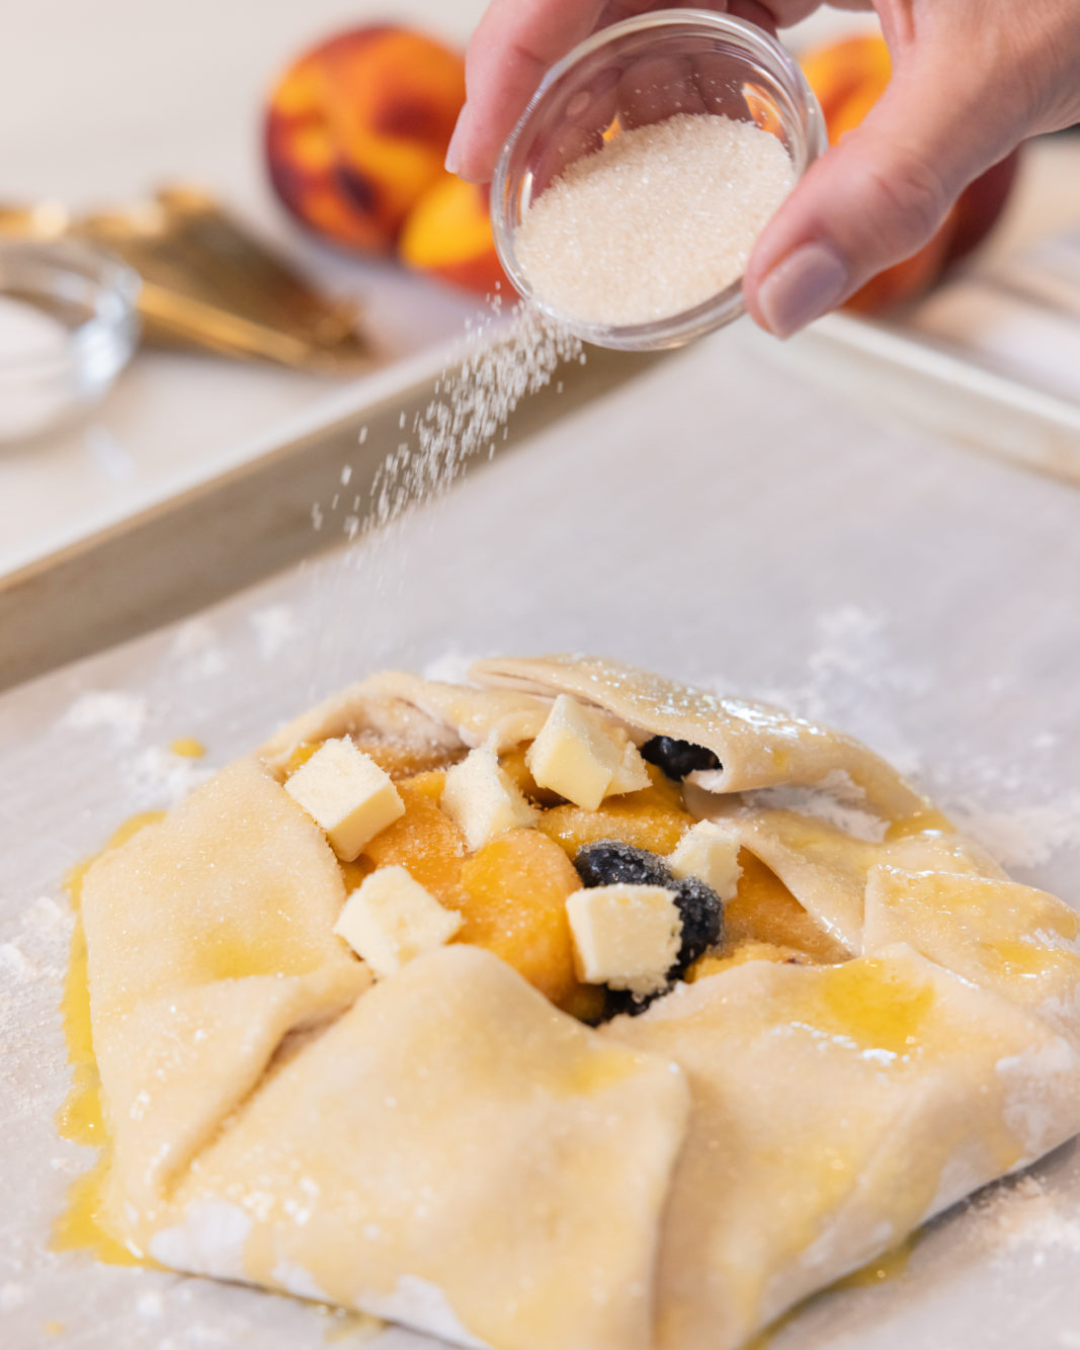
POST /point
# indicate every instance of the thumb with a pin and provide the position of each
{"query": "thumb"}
(874, 199)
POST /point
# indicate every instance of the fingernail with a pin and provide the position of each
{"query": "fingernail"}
(453, 150)
(803, 287)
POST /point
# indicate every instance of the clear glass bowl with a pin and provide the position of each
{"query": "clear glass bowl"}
(68, 326)
(736, 68)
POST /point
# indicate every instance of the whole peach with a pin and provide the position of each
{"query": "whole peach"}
(358, 128)
(980, 205)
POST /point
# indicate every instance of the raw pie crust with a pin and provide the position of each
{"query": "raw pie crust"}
(447, 1149)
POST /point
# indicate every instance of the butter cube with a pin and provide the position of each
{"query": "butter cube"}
(626, 937)
(483, 800)
(631, 774)
(390, 918)
(579, 755)
(346, 792)
(710, 852)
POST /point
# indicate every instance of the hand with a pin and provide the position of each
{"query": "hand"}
(971, 79)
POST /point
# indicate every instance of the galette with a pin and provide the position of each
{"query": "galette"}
(573, 1007)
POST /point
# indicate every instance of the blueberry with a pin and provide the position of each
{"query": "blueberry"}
(703, 927)
(703, 923)
(621, 1001)
(609, 862)
(678, 758)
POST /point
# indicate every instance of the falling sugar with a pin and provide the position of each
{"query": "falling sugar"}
(500, 361)
(657, 222)
(474, 401)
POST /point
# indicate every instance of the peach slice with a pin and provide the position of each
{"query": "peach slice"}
(511, 894)
(655, 818)
(515, 906)
(426, 842)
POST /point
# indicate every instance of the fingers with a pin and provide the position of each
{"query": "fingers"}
(874, 199)
(512, 47)
(518, 40)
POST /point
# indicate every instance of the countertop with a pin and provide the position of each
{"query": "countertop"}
(99, 103)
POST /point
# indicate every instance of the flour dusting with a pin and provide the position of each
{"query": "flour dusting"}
(1025, 1214)
(836, 800)
(164, 778)
(1027, 836)
(275, 627)
(122, 714)
(15, 961)
(12, 1296)
(450, 668)
(853, 678)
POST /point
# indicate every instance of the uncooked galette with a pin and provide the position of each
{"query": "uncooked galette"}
(575, 1009)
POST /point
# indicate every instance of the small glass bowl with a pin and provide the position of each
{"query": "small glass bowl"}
(733, 67)
(68, 326)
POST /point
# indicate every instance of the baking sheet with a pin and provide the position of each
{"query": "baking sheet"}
(938, 387)
(716, 519)
(991, 356)
(270, 503)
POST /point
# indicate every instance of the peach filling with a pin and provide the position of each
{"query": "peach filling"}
(512, 893)
(399, 759)
(655, 818)
(515, 906)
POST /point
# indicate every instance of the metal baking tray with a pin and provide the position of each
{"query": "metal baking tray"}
(240, 525)
(905, 375)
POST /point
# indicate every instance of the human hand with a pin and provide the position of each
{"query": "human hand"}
(971, 79)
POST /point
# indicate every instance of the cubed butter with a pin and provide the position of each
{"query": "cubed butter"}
(580, 755)
(631, 775)
(626, 937)
(345, 792)
(390, 919)
(710, 852)
(483, 800)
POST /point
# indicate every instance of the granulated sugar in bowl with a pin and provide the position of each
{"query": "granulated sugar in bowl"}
(628, 198)
(656, 223)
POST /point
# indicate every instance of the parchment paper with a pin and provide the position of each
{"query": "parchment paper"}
(715, 520)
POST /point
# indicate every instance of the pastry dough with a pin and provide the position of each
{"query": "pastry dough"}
(446, 1148)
